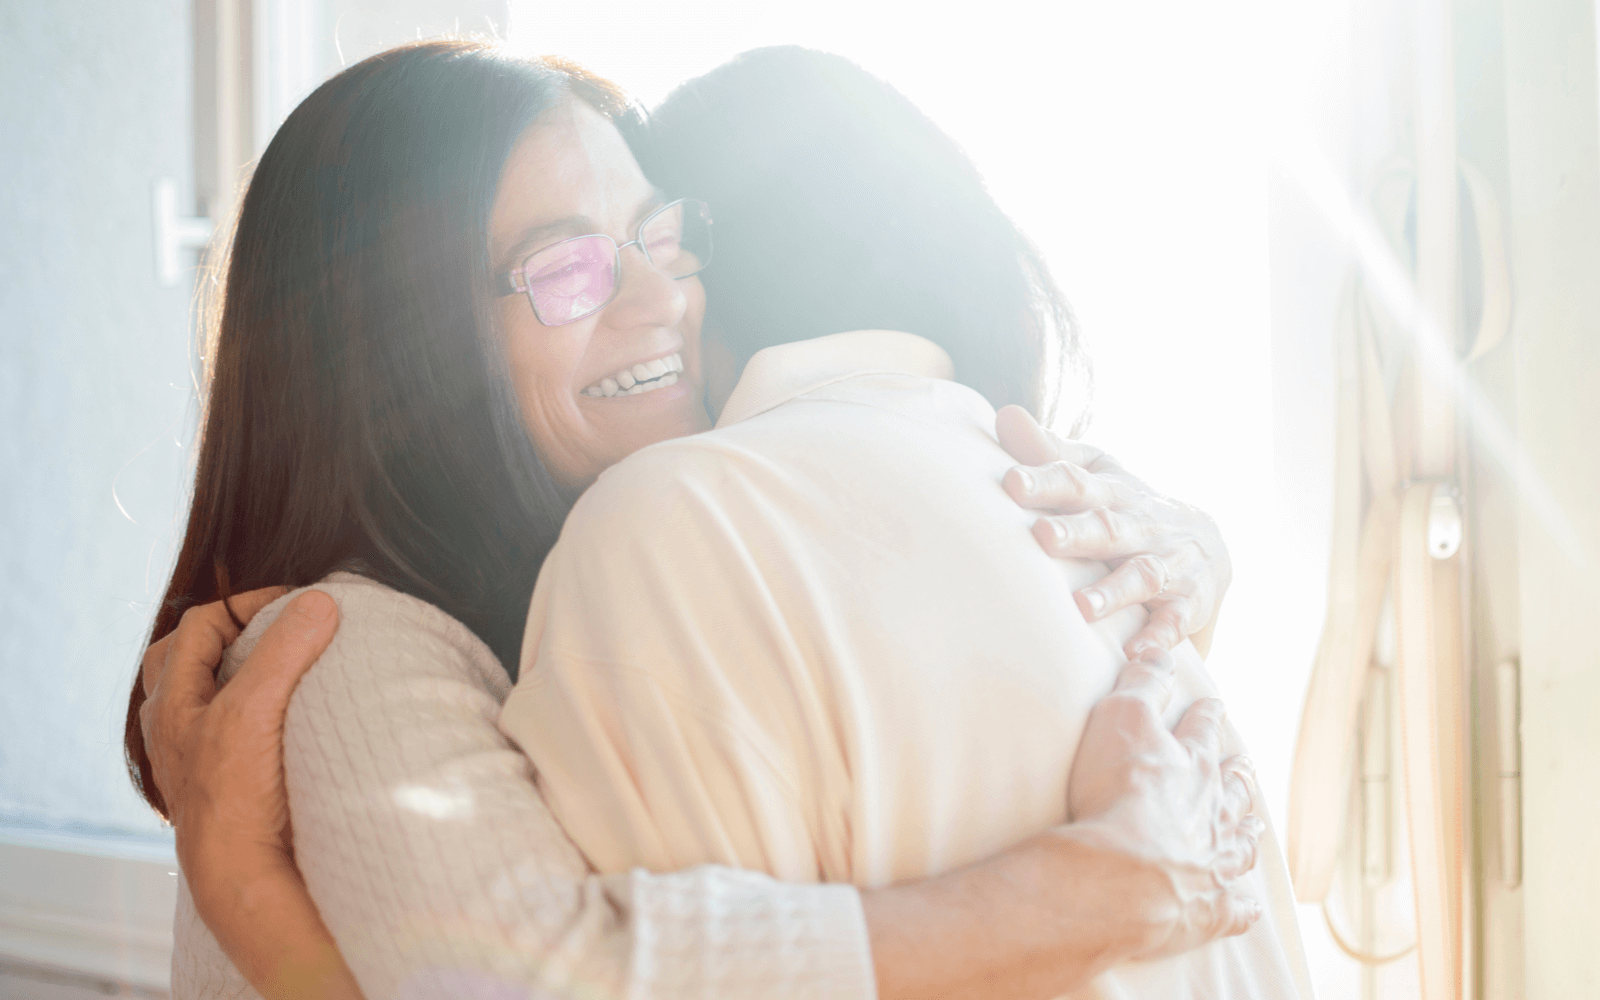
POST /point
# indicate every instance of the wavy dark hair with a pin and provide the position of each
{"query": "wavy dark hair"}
(358, 409)
(840, 206)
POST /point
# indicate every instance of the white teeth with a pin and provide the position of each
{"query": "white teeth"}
(642, 377)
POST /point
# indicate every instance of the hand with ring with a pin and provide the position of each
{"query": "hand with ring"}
(1173, 799)
(1163, 554)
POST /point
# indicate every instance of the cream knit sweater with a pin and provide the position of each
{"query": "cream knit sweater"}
(441, 872)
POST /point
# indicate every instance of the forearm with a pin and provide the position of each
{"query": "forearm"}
(1037, 921)
(264, 918)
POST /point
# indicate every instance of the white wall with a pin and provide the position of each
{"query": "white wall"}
(99, 408)
(95, 397)
(95, 361)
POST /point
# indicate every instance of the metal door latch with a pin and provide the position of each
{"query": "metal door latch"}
(1444, 522)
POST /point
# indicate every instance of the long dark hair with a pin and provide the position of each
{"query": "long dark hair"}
(840, 206)
(358, 411)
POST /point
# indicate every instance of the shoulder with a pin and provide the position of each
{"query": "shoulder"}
(939, 404)
(656, 489)
(654, 544)
(384, 633)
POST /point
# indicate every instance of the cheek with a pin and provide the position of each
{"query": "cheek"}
(695, 314)
(542, 359)
(543, 363)
(693, 320)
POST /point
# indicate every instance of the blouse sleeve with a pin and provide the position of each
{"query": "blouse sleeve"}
(440, 871)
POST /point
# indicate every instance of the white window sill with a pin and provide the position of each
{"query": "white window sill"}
(97, 907)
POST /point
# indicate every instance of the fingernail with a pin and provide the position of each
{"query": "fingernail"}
(1025, 480)
(1153, 655)
(1058, 532)
(1096, 600)
(315, 605)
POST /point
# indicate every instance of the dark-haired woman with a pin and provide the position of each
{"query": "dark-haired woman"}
(378, 423)
(761, 646)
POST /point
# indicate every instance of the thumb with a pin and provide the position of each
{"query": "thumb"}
(286, 651)
(1201, 726)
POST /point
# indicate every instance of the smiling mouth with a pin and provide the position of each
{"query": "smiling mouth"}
(633, 380)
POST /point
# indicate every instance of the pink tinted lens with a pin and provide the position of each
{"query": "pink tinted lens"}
(571, 280)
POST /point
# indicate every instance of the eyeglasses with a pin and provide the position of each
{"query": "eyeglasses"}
(575, 278)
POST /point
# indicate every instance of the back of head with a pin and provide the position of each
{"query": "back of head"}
(840, 206)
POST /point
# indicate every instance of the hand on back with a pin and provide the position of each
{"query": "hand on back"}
(1163, 553)
(1170, 800)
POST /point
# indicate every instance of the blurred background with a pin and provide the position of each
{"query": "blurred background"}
(1198, 177)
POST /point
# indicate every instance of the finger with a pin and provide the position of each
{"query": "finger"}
(1235, 858)
(1150, 678)
(1238, 785)
(1029, 443)
(1201, 726)
(1236, 914)
(153, 663)
(245, 607)
(1022, 436)
(287, 649)
(1167, 626)
(1242, 851)
(1140, 578)
(1106, 464)
(1063, 487)
(189, 674)
(1097, 534)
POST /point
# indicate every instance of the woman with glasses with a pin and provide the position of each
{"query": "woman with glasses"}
(382, 423)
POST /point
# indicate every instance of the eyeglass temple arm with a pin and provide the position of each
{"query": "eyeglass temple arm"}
(505, 283)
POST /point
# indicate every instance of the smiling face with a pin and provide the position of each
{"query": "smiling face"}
(571, 174)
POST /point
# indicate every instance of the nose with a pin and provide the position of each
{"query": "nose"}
(646, 297)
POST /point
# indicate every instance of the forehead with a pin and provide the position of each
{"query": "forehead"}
(572, 163)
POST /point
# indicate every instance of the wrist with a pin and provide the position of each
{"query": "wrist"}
(230, 870)
(1136, 907)
(254, 900)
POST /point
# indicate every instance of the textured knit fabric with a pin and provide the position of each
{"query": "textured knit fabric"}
(821, 642)
(441, 873)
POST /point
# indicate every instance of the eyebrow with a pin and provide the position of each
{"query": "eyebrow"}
(573, 226)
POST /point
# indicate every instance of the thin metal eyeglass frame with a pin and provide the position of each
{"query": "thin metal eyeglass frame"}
(506, 282)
